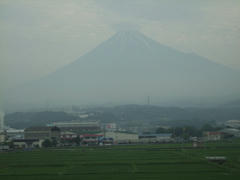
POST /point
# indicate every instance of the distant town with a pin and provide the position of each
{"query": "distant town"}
(84, 131)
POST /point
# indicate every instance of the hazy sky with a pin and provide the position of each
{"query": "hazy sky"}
(38, 37)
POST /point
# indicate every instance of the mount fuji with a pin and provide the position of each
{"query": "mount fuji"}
(127, 68)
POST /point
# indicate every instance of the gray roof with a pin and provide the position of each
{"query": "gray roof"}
(41, 128)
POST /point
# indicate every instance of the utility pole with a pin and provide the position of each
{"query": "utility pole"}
(148, 100)
(104, 130)
(1, 121)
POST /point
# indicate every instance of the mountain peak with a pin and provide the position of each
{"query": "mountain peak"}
(130, 34)
(131, 38)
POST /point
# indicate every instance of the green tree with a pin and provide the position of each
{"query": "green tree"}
(47, 143)
(77, 140)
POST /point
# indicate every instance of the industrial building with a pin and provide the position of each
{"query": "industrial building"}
(15, 133)
(42, 132)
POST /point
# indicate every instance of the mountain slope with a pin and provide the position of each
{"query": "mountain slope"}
(128, 67)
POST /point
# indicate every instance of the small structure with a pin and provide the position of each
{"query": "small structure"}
(217, 159)
(42, 132)
(195, 142)
(3, 136)
(4, 147)
(106, 141)
(91, 139)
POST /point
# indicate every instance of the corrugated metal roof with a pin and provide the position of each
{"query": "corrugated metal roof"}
(156, 135)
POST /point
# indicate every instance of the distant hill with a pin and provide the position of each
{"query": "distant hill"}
(22, 120)
(171, 116)
(131, 116)
(235, 103)
(127, 68)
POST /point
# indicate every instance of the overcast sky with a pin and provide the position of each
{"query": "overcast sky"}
(38, 37)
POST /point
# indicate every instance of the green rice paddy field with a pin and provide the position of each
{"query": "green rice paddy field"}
(163, 161)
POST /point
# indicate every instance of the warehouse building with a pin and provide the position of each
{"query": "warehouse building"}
(27, 143)
(155, 138)
(212, 135)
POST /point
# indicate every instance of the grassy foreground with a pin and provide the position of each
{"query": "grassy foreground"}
(164, 161)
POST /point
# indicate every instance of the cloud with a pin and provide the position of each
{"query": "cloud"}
(38, 37)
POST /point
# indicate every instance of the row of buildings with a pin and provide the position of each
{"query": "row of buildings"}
(93, 133)
(78, 133)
